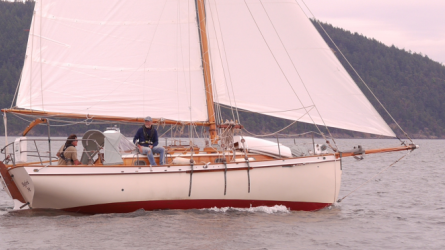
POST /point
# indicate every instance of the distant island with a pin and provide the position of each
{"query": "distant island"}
(409, 84)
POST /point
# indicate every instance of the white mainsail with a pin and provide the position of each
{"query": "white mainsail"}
(117, 58)
(267, 57)
(137, 58)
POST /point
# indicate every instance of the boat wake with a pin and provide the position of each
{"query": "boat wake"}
(4, 210)
(261, 209)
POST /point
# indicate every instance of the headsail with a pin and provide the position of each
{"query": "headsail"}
(137, 58)
(268, 58)
(114, 58)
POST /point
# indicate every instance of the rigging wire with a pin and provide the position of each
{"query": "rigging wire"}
(298, 73)
(279, 66)
(355, 71)
(30, 64)
(40, 54)
(380, 172)
(274, 133)
(123, 82)
(191, 125)
(87, 121)
(5, 123)
(218, 114)
(270, 112)
(216, 103)
(21, 74)
(222, 63)
(299, 76)
(19, 83)
(177, 62)
(190, 83)
(282, 128)
(294, 135)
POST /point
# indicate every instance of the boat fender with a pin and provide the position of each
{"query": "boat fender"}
(180, 161)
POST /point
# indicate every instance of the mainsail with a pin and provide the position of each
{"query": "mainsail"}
(137, 58)
(114, 58)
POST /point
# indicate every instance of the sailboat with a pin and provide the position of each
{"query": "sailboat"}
(180, 62)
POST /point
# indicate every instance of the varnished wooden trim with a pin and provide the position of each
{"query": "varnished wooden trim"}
(32, 163)
(12, 188)
(33, 124)
(376, 151)
(101, 117)
(206, 68)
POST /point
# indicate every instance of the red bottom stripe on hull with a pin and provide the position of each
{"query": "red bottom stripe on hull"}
(127, 207)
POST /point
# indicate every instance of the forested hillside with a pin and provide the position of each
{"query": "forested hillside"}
(410, 85)
(15, 19)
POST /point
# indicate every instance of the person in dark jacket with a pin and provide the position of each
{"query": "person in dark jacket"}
(148, 142)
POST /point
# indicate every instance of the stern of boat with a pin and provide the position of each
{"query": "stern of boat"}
(18, 184)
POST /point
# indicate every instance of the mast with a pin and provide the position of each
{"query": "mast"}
(206, 69)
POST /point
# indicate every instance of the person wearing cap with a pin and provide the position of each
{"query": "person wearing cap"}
(148, 141)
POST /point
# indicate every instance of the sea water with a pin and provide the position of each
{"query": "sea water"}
(403, 208)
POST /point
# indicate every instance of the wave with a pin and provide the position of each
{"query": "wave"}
(261, 209)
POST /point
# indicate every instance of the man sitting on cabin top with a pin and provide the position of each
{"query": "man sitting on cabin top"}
(148, 142)
(67, 153)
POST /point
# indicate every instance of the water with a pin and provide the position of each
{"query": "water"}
(402, 209)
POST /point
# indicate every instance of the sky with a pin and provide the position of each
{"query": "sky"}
(416, 25)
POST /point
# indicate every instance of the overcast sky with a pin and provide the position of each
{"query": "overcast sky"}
(416, 25)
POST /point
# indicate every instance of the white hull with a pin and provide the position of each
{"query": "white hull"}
(308, 183)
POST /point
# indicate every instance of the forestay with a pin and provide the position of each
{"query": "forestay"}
(268, 58)
(117, 58)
